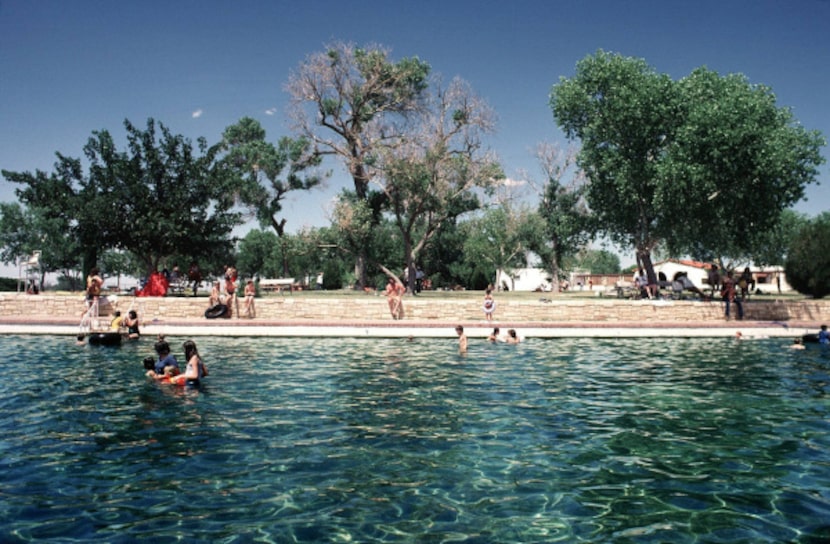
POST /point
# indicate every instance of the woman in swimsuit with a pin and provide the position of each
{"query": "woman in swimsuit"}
(394, 298)
(131, 322)
(195, 369)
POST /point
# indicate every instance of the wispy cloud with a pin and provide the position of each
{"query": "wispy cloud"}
(508, 182)
(196, 114)
(270, 111)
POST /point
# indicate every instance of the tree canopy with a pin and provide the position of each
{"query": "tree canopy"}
(431, 178)
(352, 102)
(268, 173)
(158, 198)
(808, 261)
(706, 158)
(566, 224)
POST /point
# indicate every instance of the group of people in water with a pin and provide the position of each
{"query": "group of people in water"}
(822, 338)
(165, 368)
(512, 337)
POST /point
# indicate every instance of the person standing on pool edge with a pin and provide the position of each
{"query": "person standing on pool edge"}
(250, 305)
(489, 304)
(94, 283)
(728, 293)
(394, 297)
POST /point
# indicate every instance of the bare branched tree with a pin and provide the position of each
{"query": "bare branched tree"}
(431, 177)
(353, 103)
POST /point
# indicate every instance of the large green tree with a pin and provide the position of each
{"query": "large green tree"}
(269, 173)
(443, 260)
(351, 102)
(67, 209)
(735, 161)
(773, 245)
(497, 239)
(24, 231)
(257, 255)
(808, 261)
(566, 221)
(158, 198)
(676, 162)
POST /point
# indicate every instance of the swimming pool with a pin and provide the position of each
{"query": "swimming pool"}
(368, 440)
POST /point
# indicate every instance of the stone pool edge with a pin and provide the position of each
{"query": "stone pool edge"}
(418, 329)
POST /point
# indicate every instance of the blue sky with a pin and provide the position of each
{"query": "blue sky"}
(70, 67)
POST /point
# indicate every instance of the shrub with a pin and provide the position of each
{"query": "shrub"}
(808, 259)
(332, 275)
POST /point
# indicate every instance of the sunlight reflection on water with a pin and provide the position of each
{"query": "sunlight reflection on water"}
(308, 440)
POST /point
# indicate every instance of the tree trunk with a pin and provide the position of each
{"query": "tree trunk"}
(90, 260)
(554, 268)
(554, 277)
(644, 261)
(279, 227)
(361, 279)
(409, 265)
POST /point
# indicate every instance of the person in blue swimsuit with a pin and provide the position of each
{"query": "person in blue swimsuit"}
(823, 335)
(167, 365)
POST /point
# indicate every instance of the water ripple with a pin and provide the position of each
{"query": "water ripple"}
(309, 440)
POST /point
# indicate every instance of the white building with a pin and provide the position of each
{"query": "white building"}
(524, 279)
(766, 278)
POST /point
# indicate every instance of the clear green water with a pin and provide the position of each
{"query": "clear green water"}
(310, 440)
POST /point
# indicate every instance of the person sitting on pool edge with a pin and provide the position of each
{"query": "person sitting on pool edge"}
(250, 305)
(117, 321)
(823, 335)
(167, 365)
(195, 369)
(131, 322)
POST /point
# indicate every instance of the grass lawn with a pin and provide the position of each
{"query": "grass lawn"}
(456, 295)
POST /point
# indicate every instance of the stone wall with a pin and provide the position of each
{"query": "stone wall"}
(374, 308)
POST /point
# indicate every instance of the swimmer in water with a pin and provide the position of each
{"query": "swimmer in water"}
(166, 366)
(195, 369)
(462, 339)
